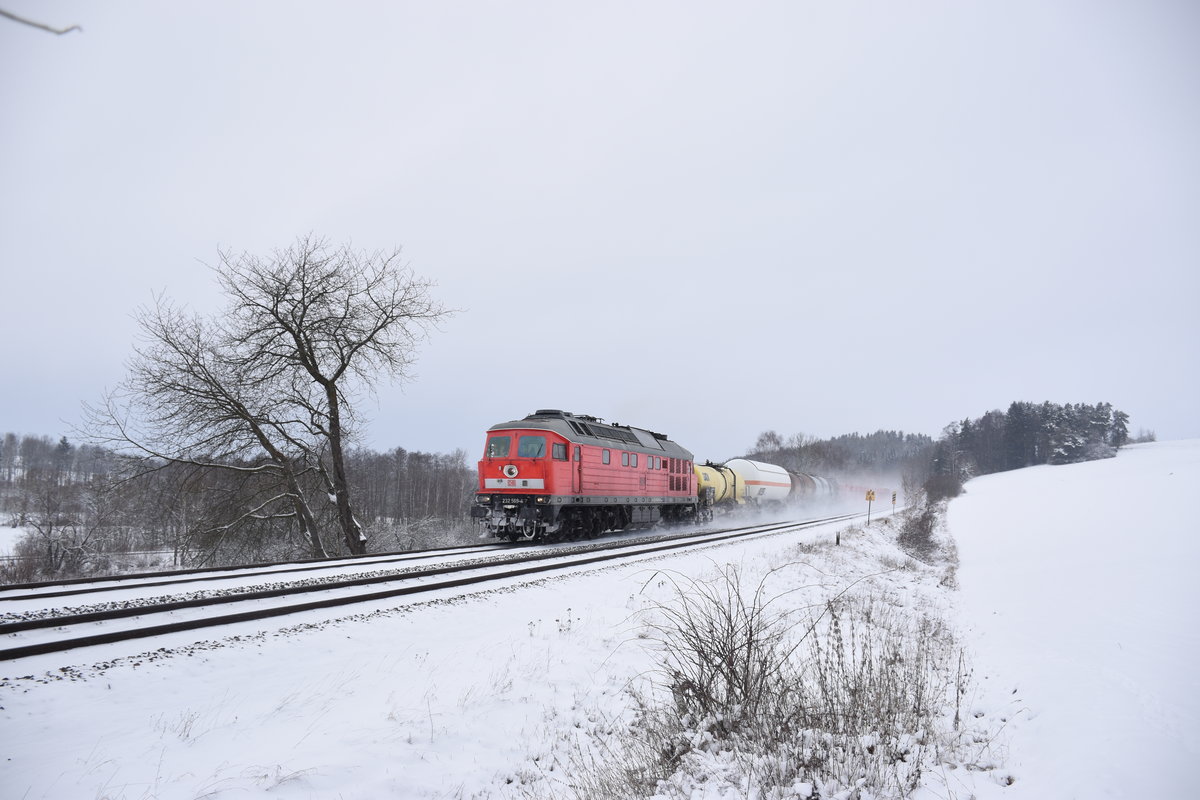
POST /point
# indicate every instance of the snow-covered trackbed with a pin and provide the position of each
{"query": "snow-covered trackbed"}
(232, 576)
(51, 630)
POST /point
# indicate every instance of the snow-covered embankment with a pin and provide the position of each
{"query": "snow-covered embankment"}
(1080, 600)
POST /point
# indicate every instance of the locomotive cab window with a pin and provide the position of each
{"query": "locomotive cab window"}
(498, 447)
(559, 451)
(531, 447)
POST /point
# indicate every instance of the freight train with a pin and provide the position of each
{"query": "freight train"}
(555, 475)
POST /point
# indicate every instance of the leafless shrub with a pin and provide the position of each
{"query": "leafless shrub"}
(621, 766)
(919, 523)
(423, 533)
(845, 697)
(724, 653)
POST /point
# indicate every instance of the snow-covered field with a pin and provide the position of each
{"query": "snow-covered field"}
(1075, 604)
(1080, 596)
(9, 537)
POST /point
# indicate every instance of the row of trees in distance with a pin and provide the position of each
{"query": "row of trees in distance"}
(90, 510)
(1025, 435)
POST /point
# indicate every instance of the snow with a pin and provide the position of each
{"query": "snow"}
(1075, 601)
(1080, 599)
(9, 537)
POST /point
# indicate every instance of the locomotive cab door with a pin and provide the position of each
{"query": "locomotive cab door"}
(577, 472)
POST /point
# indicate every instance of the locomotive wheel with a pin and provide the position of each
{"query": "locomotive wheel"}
(574, 526)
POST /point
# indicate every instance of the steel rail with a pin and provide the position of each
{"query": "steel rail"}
(63, 620)
(560, 561)
(202, 575)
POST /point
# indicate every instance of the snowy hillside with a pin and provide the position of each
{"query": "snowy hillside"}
(1080, 593)
(1075, 604)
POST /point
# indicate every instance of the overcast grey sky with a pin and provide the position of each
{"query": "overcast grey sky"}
(706, 219)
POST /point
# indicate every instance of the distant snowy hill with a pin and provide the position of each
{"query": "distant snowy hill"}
(1081, 599)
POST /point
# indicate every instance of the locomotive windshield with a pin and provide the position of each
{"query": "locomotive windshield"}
(498, 446)
(531, 447)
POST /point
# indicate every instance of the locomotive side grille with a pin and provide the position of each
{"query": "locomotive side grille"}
(608, 432)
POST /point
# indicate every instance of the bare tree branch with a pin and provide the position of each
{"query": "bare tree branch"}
(38, 25)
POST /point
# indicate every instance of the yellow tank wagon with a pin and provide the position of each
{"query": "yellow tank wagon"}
(724, 483)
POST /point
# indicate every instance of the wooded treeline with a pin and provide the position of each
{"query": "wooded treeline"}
(1026, 435)
(882, 452)
(88, 510)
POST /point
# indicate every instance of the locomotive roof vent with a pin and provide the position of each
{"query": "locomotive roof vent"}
(549, 412)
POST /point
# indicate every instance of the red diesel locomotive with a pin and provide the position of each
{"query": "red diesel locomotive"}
(556, 475)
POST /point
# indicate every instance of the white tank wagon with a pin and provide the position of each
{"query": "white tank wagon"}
(761, 484)
(742, 482)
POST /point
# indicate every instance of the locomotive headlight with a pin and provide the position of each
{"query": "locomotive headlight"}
(483, 498)
(542, 500)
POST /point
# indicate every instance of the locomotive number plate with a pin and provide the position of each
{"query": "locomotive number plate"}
(514, 483)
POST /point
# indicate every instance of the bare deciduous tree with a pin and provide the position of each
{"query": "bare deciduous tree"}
(328, 322)
(192, 397)
(270, 388)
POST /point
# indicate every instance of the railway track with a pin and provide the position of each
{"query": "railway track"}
(86, 586)
(71, 629)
